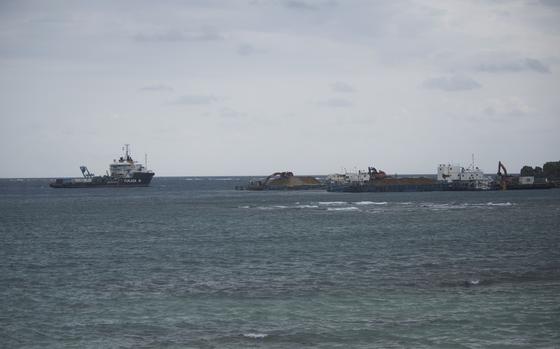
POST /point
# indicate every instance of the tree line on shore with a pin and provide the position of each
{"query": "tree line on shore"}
(550, 170)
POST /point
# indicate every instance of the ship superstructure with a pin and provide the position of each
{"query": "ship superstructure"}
(122, 172)
(378, 181)
(460, 178)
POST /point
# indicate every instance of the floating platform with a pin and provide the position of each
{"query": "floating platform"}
(283, 181)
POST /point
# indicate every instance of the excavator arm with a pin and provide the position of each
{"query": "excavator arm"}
(281, 174)
(501, 168)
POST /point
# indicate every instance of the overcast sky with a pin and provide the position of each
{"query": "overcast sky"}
(252, 87)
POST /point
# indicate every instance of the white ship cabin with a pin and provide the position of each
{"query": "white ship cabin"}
(125, 166)
(336, 178)
(527, 180)
(450, 173)
(348, 177)
(124, 169)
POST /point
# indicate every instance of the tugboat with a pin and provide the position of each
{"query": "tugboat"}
(124, 172)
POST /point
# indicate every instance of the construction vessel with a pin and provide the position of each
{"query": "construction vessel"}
(378, 181)
(124, 172)
(283, 181)
(459, 178)
(505, 181)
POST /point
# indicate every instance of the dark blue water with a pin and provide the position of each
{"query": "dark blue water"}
(191, 263)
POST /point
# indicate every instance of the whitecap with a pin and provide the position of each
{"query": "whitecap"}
(371, 203)
(255, 335)
(499, 204)
(351, 208)
(332, 203)
(307, 206)
(277, 207)
(452, 206)
(244, 206)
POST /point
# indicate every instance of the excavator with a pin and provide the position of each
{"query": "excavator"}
(261, 185)
(503, 176)
(279, 174)
(375, 174)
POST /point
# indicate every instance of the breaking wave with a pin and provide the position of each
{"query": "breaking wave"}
(455, 206)
(332, 203)
(371, 203)
(307, 206)
(275, 207)
(255, 335)
(351, 208)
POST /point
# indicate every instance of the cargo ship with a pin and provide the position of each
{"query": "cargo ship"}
(458, 178)
(378, 181)
(124, 172)
(449, 178)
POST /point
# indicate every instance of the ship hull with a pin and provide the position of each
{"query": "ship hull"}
(525, 186)
(387, 188)
(137, 180)
(390, 185)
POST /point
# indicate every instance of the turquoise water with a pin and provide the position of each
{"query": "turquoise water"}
(191, 263)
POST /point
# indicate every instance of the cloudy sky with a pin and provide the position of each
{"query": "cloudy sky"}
(251, 87)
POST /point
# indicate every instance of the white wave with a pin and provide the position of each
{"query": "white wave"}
(371, 203)
(276, 207)
(405, 203)
(499, 204)
(255, 335)
(351, 208)
(307, 206)
(244, 206)
(332, 203)
(433, 206)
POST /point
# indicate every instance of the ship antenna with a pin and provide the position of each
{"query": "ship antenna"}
(146, 160)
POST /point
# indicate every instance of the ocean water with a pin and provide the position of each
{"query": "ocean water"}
(191, 263)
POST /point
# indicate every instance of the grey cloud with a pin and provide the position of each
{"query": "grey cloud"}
(336, 103)
(246, 49)
(527, 64)
(307, 5)
(453, 83)
(299, 5)
(176, 36)
(492, 112)
(195, 99)
(551, 3)
(156, 88)
(342, 87)
(229, 113)
(507, 107)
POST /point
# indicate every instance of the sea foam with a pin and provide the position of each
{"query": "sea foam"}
(255, 335)
(351, 208)
(332, 203)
